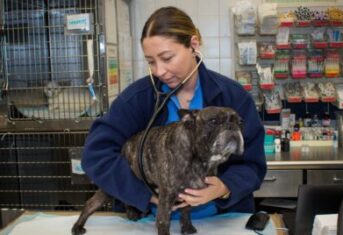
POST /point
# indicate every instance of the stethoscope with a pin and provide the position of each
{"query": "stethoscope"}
(157, 109)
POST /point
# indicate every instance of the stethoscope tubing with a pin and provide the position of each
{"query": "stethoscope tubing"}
(157, 110)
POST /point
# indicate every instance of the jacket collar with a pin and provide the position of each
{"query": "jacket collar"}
(210, 87)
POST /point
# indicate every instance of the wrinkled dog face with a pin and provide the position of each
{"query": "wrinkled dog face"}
(222, 131)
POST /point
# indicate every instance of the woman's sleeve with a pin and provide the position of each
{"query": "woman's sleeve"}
(244, 174)
(102, 160)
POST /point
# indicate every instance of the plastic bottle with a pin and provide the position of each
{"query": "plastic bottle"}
(277, 144)
(285, 141)
(335, 139)
(315, 121)
(285, 145)
(326, 122)
(296, 135)
(307, 120)
(301, 122)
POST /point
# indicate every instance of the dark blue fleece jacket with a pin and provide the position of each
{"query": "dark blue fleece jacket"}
(130, 113)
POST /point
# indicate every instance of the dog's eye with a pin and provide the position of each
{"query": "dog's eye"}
(213, 121)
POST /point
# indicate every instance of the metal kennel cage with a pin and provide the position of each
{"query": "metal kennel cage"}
(56, 74)
(36, 171)
(51, 60)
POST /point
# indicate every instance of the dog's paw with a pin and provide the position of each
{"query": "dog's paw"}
(78, 230)
(188, 229)
(133, 214)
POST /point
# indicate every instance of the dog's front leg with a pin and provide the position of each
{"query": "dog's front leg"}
(186, 221)
(163, 213)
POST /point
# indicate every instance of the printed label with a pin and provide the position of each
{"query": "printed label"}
(76, 167)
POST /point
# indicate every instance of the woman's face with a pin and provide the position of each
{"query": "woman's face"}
(169, 60)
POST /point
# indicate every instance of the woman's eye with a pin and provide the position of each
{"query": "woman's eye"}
(167, 59)
(151, 62)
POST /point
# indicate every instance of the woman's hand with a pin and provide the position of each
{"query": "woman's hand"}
(195, 197)
(154, 199)
(180, 203)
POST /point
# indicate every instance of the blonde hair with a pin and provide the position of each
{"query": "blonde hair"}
(171, 22)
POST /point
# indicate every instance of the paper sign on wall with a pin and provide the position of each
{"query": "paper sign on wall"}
(78, 24)
(112, 71)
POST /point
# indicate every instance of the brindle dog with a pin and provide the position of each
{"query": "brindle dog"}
(178, 156)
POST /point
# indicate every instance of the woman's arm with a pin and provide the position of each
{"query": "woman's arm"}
(102, 160)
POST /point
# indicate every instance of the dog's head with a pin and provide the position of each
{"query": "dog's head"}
(217, 133)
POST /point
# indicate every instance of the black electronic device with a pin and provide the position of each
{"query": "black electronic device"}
(258, 221)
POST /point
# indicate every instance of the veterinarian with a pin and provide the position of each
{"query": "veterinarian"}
(171, 45)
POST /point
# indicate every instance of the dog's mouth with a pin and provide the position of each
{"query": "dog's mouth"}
(228, 142)
(233, 148)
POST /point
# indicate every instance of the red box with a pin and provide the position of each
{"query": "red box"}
(299, 45)
(267, 56)
(336, 23)
(273, 111)
(328, 99)
(299, 75)
(294, 99)
(247, 87)
(286, 23)
(281, 75)
(315, 75)
(331, 75)
(335, 44)
(267, 86)
(311, 100)
(283, 46)
(303, 23)
(319, 45)
(320, 23)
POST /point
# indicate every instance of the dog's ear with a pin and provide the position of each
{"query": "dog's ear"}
(188, 117)
(186, 114)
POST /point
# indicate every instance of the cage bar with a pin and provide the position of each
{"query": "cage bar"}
(35, 171)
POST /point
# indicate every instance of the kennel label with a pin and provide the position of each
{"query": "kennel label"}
(76, 167)
(78, 24)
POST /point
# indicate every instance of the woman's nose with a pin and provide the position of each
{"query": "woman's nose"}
(159, 70)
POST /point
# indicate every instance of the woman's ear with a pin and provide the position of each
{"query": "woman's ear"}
(195, 43)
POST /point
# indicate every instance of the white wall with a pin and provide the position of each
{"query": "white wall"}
(210, 16)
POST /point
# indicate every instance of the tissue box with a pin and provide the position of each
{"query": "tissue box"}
(325, 224)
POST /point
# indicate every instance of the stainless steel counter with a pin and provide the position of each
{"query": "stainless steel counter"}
(314, 158)
(288, 170)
